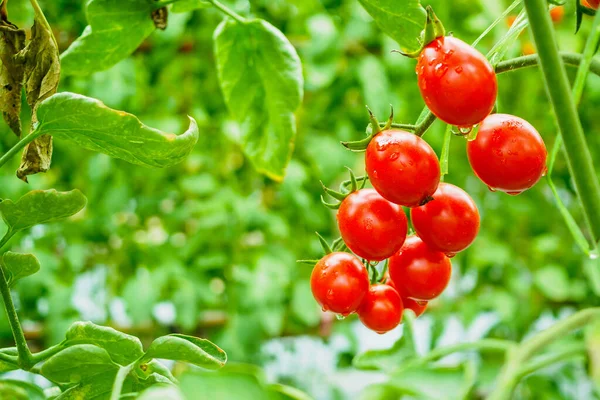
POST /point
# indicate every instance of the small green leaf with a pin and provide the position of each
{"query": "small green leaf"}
(78, 363)
(182, 6)
(402, 22)
(41, 207)
(122, 348)
(90, 124)
(116, 28)
(553, 282)
(261, 78)
(19, 266)
(20, 390)
(150, 370)
(200, 352)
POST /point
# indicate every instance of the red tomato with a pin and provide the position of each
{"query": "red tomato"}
(372, 227)
(339, 282)
(417, 306)
(418, 271)
(457, 82)
(402, 167)
(591, 3)
(557, 14)
(450, 222)
(381, 309)
(508, 154)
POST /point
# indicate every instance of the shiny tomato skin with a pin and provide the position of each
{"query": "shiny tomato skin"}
(417, 306)
(402, 167)
(381, 309)
(372, 227)
(508, 154)
(591, 3)
(457, 82)
(339, 282)
(450, 222)
(557, 14)
(418, 271)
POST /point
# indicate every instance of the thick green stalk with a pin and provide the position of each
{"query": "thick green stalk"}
(25, 357)
(578, 154)
(513, 371)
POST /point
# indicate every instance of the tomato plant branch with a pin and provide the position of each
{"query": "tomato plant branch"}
(20, 145)
(565, 355)
(513, 371)
(25, 357)
(498, 345)
(445, 151)
(578, 154)
(227, 11)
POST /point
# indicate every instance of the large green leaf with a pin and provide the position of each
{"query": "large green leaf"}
(18, 266)
(98, 387)
(116, 28)
(403, 20)
(189, 5)
(41, 207)
(78, 363)
(90, 124)
(122, 348)
(190, 349)
(261, 78)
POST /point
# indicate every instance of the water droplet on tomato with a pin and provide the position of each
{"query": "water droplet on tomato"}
(324, 309)
(394, 156)
(458, 69)
(491, 189)
(545, 171)
(448, 54)
(432, 61)
(450, 255)
(330, 294)
(514, 193)
(340, 316)
(440, 70)
(465, 130)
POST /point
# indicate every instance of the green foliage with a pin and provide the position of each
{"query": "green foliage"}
(17, 266)
(264, 96)
(200, 352)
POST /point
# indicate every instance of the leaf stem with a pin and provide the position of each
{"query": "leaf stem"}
(512, 371)
(18, 147)
(543, 362)
(25, 357)
(47, 353)
(119, 380)
(228, 11)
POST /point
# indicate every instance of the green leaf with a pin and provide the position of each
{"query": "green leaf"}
(78, 363)
(42, 73)
(161, 392)
(41, 207)
(20, 390)
(90, 124)
(98, 387)
(116, 28)
(200, 352)
(182, 6)
(230, 383)
(122, 348)
(261, 79)
(402, 22)
(303, 305)
(553, 282)
(451, 383)
(19, 266)
(12, 73)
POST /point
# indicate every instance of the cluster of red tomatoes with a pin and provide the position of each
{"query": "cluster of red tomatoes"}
(459, 86)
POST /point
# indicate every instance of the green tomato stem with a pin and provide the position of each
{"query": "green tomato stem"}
(18, 147)
(513, 371)
(25, 356)
(119, 380)
(227, 11)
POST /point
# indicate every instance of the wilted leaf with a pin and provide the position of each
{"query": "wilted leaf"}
(42, 73)
(41, 207)
(90, 124)
(200, 352)
(160, 17)
(122, 348)
(12, 72)
(402, 21)
(261, 78)
(116, 28)
(78, 363)
(18, 266)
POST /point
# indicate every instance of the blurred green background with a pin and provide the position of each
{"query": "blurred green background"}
(209, 247)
